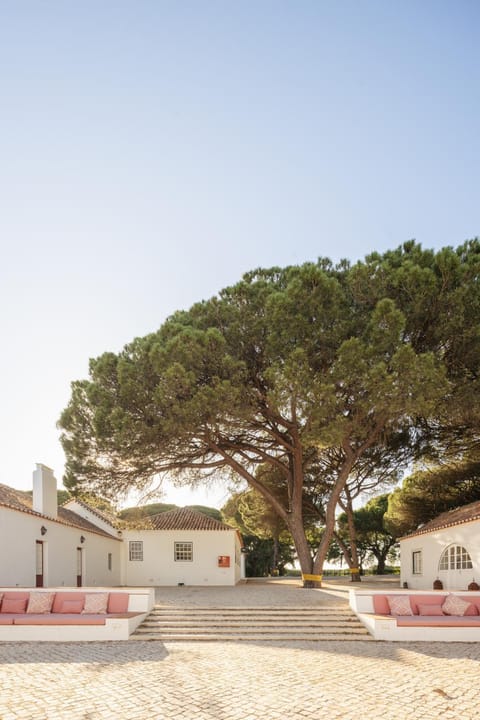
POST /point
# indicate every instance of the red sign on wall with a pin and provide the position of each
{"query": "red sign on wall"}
(224, 561)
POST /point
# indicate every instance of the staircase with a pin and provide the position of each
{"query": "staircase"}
(275, 623)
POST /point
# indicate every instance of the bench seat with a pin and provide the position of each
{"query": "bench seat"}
(125, 611)
(372, 609)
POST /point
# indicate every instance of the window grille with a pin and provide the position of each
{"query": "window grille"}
(455, 557)
(135, 550)
(183, 551)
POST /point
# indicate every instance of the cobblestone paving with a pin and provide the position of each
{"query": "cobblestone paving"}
(230, 681)
(213, 681)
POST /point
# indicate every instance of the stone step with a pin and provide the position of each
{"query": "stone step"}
(272, 623)
(249, 623)
(252, 631)
(251, 612)
(272, 637)
(248, 608)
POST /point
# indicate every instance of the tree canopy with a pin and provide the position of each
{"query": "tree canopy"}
(314, 371)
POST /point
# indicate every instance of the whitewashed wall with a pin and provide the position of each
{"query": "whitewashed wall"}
(18, 534)
(432, 546)
(160, 568)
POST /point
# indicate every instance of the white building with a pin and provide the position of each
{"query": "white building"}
(74, 545)
(44, 545)
(447, 548)
(183, 547)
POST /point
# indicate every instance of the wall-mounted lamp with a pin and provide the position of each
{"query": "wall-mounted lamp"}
(82, 539)
(43, 530)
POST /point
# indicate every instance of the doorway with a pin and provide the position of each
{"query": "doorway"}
(38, 563)
(79, 567)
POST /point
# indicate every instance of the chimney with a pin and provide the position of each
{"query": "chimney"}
(44, 491)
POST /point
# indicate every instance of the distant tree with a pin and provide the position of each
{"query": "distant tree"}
(259, 552)
(142, 511)
(372, 537)
(265, 534)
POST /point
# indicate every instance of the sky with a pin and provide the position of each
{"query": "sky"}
(152, 152)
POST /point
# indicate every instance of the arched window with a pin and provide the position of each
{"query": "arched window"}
(455, 557)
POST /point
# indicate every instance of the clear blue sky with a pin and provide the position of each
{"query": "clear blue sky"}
(151, 152)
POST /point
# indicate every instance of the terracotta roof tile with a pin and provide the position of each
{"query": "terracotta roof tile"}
(186, 519)
(458, 516)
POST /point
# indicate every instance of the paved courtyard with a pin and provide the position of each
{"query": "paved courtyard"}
(240, 681)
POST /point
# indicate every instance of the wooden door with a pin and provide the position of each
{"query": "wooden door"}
(79, 566)
(38, 563)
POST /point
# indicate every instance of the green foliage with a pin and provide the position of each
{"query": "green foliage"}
(427, 493)
(373, 538)
(311, 371)
(260, 556)
(142, 511)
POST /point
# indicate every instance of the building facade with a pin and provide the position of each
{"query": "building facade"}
(42, 545)
(446, 549)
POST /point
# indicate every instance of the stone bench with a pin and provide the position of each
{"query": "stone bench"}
(72, 614)
(427, 621)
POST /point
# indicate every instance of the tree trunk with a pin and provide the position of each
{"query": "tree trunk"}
(381, 560)
(275, 552)
(354, 567)
(330, 513)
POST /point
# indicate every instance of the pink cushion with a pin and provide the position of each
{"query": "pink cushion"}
(380, 605)
(454, 605)
(40, 602)
(60, 619)
(6, 619)
(473, 605)
(95, 603)
(118, 602)
(12, 605)
(65, 595)
(71, 606)
(416, 600)
(16, 595)
(430, 610)
(437, 621)
(400, 605)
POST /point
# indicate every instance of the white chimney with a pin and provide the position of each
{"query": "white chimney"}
(44, 491)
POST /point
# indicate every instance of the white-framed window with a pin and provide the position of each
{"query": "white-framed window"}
(135, 550)
(417, 562)
(455, 557)
(183, 551)
(109, 561)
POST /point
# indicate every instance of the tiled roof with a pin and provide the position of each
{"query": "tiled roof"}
(464, 514)
(22, 502)
(186, 519)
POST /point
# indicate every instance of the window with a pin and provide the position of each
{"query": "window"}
(109, 561)
(417, 562)
(183, 551)
(455, 557)
(135, 550)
